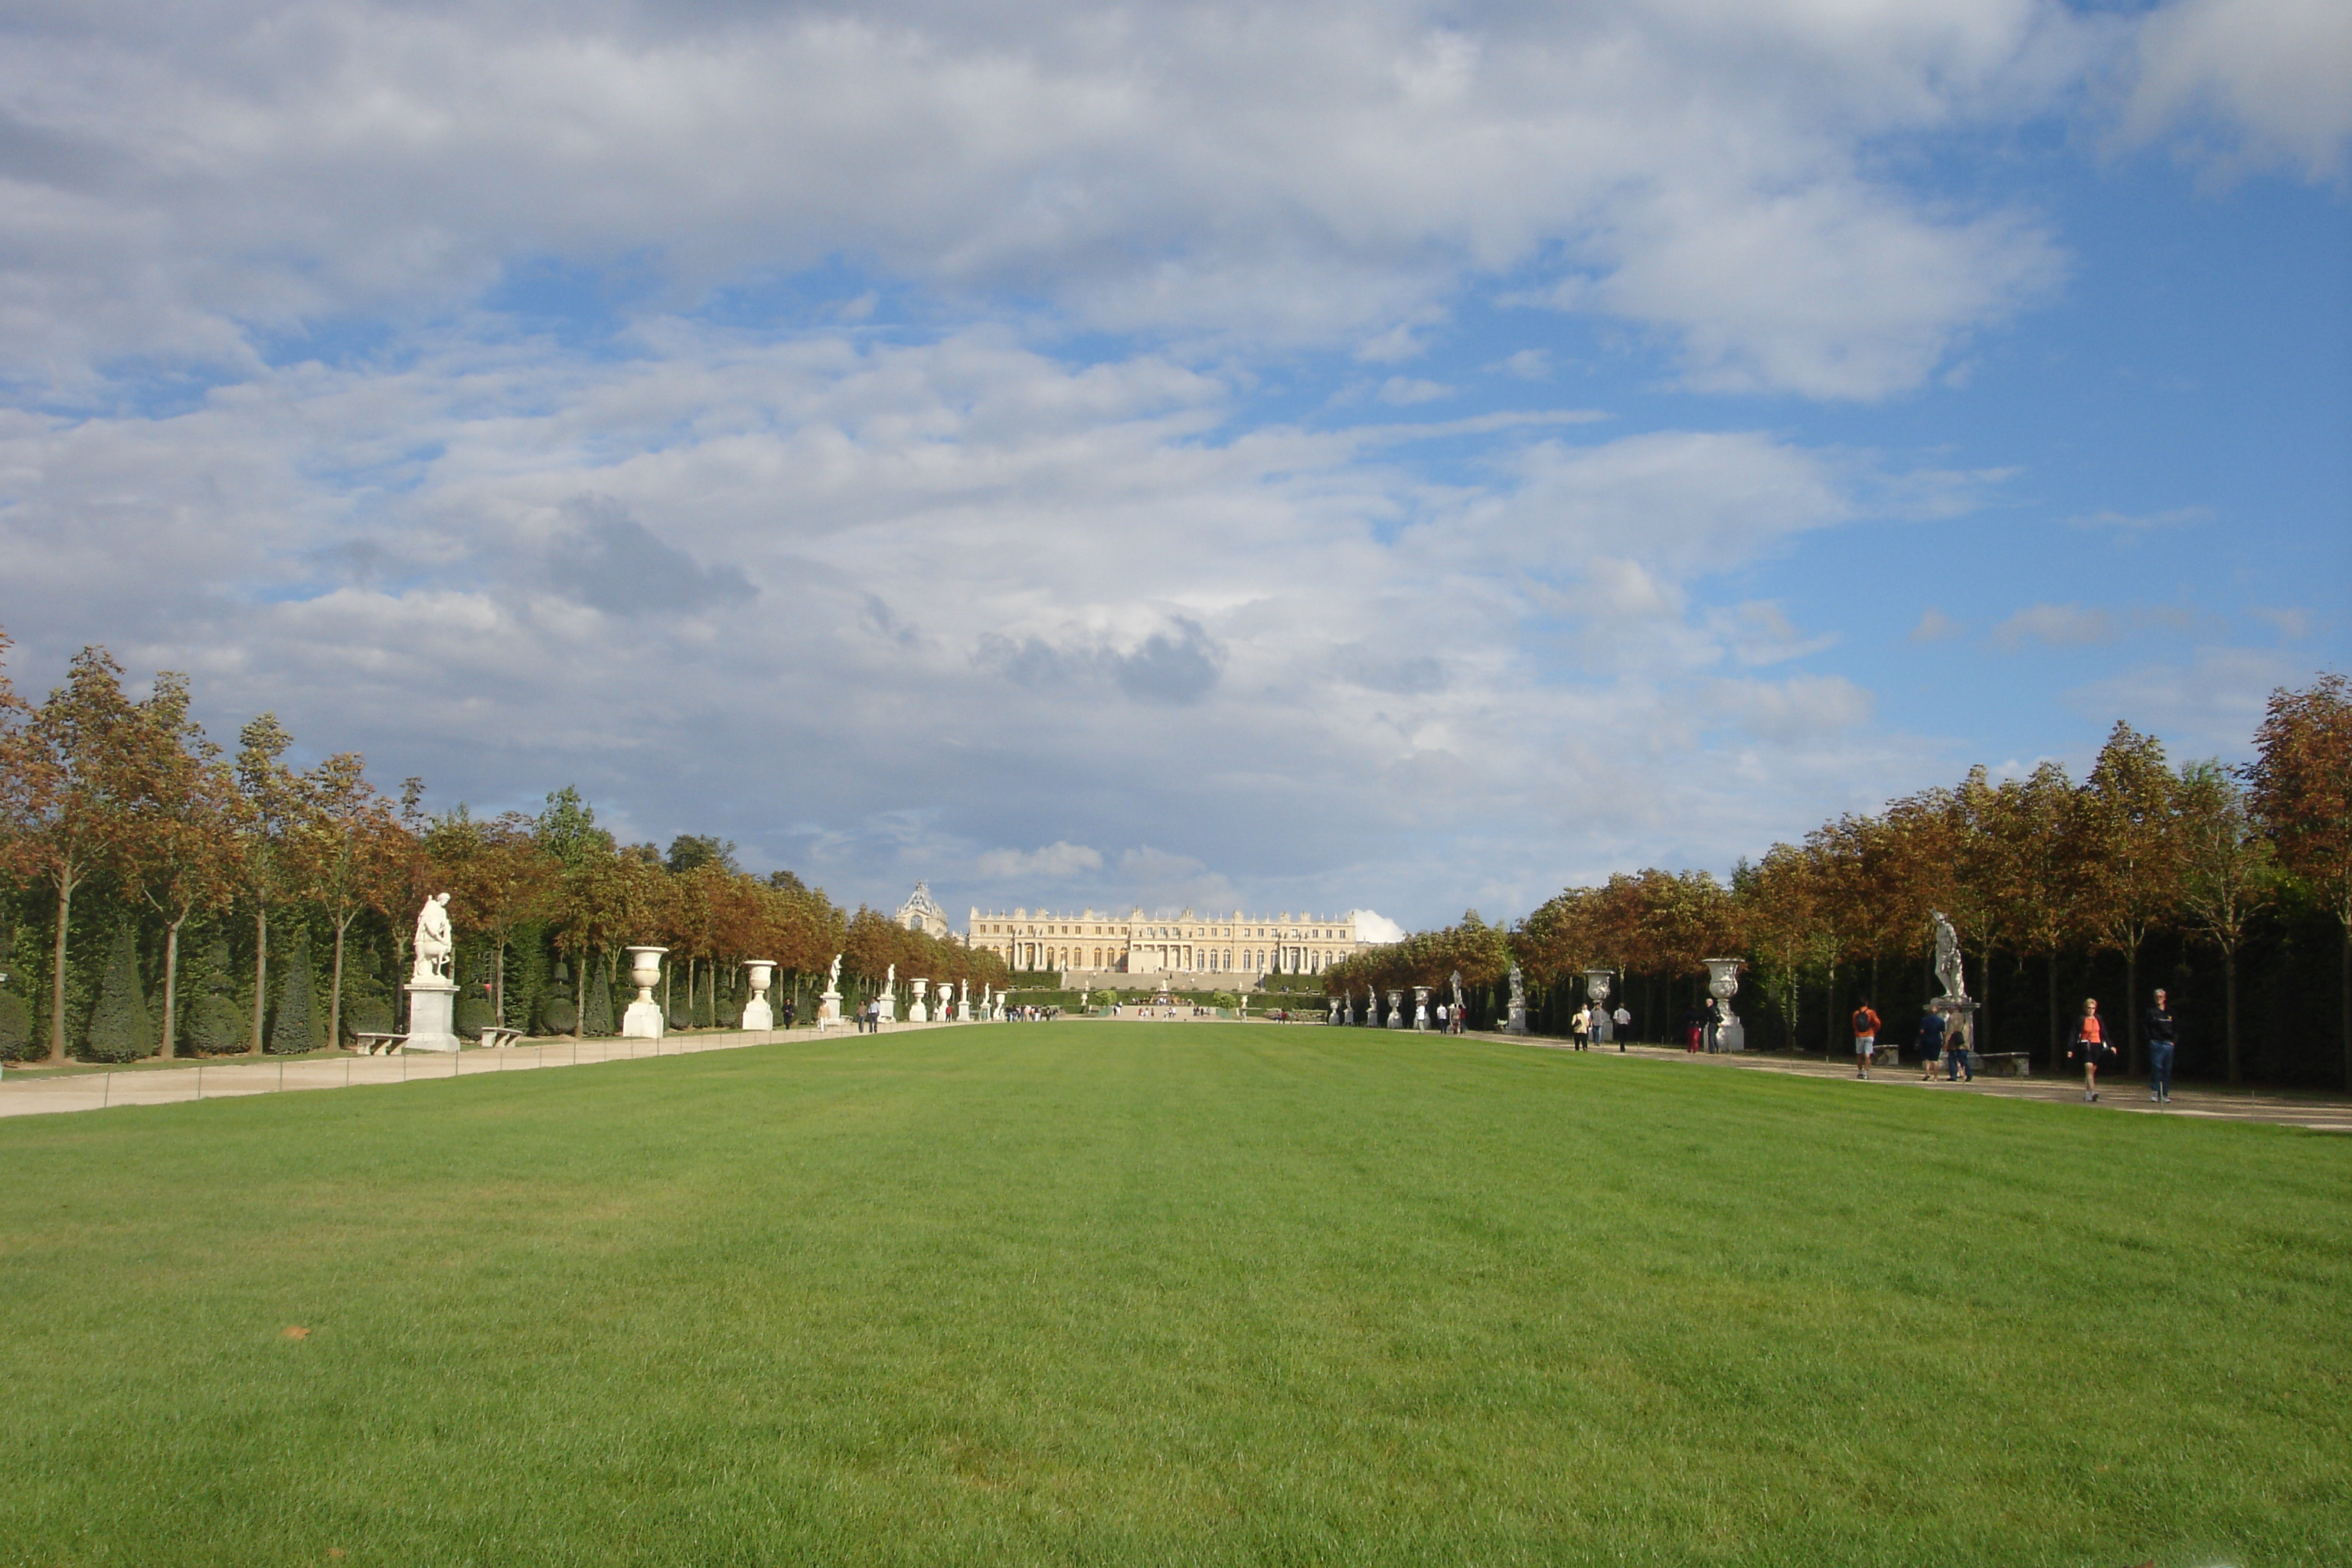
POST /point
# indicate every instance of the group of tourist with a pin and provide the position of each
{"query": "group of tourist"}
(1593, 1020)
(1940, 1040)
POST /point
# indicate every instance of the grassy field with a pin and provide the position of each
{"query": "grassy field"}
(1171, 1293)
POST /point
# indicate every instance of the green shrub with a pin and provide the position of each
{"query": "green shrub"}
(472, 1015)
(121, 1029)
(597, 1019)
(296, 1028)
(557, 1011)
(16, 1026)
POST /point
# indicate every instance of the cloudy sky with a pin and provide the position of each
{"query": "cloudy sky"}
(1396, 454)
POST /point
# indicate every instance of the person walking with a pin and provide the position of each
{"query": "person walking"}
(1955, 1053)
(1931, 1044)
(2090, 1047)
(1579, 1029)
(1865, 1038)
(1624, 1022)
(2157, 1027)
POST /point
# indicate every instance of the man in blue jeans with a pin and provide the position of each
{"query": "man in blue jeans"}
(2158, 1026)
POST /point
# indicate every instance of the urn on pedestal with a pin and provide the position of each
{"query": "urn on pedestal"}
(761, 973)
(916, 1012)
(1420, 1009)
(643, 1021)
(1596, 991)
(1722, 985)
(1396, 1009)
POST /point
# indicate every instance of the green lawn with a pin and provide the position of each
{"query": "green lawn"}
(1171, 1293)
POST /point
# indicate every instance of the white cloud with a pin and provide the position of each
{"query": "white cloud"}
(2249, 84)
(2208, 706)
(2178, 517)
(2054, 625)
(1373, 926)
(880, 610)
(1934, 625)
(1055, 862)
(184, 191)
(1407, 389)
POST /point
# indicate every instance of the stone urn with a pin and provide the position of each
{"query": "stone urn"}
(1420, 1009)
(1396, 1009)
(1722, 985)
(1596, 991)
(916, 1012)
(643, 1021)
(760, 973)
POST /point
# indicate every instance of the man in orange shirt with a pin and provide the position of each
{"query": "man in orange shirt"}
(1865, 1038)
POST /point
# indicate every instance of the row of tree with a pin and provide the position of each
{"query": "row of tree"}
(146, 856)
(2184, 874)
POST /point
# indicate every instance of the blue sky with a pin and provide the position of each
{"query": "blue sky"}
(1388, 455)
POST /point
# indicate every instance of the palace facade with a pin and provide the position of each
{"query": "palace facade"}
(1236, 948)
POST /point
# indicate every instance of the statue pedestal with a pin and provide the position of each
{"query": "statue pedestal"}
(963, 1010)
(432, 1009)
(1730, 1034)
(643, 1021)
(758, 1015)
(828, 1009)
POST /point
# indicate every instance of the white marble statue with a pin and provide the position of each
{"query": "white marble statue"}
(435, 940)
(833, 979)
(1948, 969)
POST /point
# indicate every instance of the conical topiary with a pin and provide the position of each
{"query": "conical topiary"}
(557, 1012)
(706, 1000)
(295, 1026)
(121, 1028)
(216, 1025)
(597, 1017)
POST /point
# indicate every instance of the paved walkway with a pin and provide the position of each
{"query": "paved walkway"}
(36, 1093)
(2323, 1112)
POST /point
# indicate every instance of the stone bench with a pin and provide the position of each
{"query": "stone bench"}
(495, 1035)
(372, 1044)
(2005, 1064)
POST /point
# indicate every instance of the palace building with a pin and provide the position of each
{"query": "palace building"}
(1233, 948)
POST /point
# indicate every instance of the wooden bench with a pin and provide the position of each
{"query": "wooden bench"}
(495, 1035)
(371, 1043)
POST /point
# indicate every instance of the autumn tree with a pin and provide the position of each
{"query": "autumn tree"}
(340, 839)
(2226, 873)
(182, 848)
(73, 762)
(498, 875)
(2034, 821)
(268, 799)
(2301, 788)
(2129, 867)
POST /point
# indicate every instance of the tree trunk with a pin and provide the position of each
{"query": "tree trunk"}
(2049, 976)
(580, 994)
(2131, 1005)
(335, 989)
(1829, 1016)
(171, 1046)
(261, 974)
(67, 881)
(2230, 1004)
(1983, 1042)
